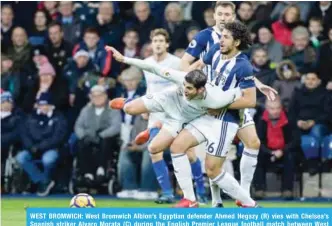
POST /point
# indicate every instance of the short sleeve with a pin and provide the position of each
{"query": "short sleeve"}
(245, 75)
(198, 44)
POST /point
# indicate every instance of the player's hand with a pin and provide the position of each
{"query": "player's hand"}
(117, 55)
(268, 91)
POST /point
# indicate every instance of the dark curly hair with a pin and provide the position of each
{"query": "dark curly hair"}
(240, 32)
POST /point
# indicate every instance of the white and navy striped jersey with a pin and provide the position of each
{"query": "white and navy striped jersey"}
(230, 73)
(201, 44)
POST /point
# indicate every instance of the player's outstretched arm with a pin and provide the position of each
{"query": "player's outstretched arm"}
(268, 91)
(166, 73)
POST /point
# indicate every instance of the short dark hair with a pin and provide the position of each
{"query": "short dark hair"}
(316, 19)
(92, 30)
(197, 78)
(247, 3)
(131, 30)
(55, 24)
(240, 32)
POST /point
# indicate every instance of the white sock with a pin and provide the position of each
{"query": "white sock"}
(247, 167)
(228, 183)
(182, 170)
(215, 194)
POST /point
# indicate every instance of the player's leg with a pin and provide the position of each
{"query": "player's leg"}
(196, 169)
(184, 141)
(249, 138)
(217, 150)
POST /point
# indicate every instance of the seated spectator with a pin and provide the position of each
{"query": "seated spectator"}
(51, 8)
(108, 24)
(134, 158)
(130, 48)
(76, 69)
(323, 10)
(11, 119)
(10, 80)
(325, 62)
(288, 81)
(7, 26)
(47, 81)
(20, 52)
(246, 15)
(262, 70)
(97, 129)
(209, 18)
(58, 51)
(38, 35)
(308, 116)
(143, 22)
(42, 133)
(282, 29)
(175, 26)
(72, 26)
(266, 40)
(301, 53)
(316, 32)
(101, 58)
(275, 133)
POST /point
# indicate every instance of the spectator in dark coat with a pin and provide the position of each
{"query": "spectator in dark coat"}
(49, 82)
(10, 80)
(7, 26)
(301, 53)
(10, 122)
(288, 81)
(108, 24)
(175, 26)
(72, 26)
(42, 134)
(325, 62)
(246, 14)
(38, 35)
(144, 21)
(58, 51)
(101, 58)
(275, 133)
(97, 127)
(323, 10)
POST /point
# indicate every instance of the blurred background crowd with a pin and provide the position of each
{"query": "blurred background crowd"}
(58, 134)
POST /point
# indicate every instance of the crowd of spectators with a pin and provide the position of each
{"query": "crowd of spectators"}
(57, 78)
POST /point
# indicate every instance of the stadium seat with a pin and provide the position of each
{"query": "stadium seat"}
(327, 147)
(310, 146)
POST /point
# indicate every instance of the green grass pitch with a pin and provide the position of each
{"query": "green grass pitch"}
(13, 209)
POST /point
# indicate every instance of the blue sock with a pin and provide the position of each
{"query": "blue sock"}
(196, 169)
(161, 170)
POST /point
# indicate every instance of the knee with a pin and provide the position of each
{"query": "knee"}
(254, 143)
(156, 157)
(23, 157)
(212, 170)
(154, 148)
(49, 158)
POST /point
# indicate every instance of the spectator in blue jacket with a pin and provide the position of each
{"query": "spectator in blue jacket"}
(97, 53)
(42, 134)
(10, 121)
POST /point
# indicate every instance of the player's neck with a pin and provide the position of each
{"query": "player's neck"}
(230, 54)
(160, 57)
(217, 29)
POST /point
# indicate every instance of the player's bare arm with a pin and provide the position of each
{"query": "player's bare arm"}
(186, 62)
(248, 99)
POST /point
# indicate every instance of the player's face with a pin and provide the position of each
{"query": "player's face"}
(190, 91)
(274, 109)
(227, 42)
(223, 15)
(159, 44)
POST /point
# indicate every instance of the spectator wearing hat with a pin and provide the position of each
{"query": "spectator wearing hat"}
(10, 80)
(11, 118)
(58, 50)
(101, 58)
(80, 66)
(72, 25)
(266, 40)
(47, 81)
(288, 81)
(7, 26)
(97, 129)
(143, 22)
(42, 134)
(325, 62)
(301, 53)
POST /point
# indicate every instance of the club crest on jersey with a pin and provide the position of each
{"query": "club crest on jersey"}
(193, 44)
